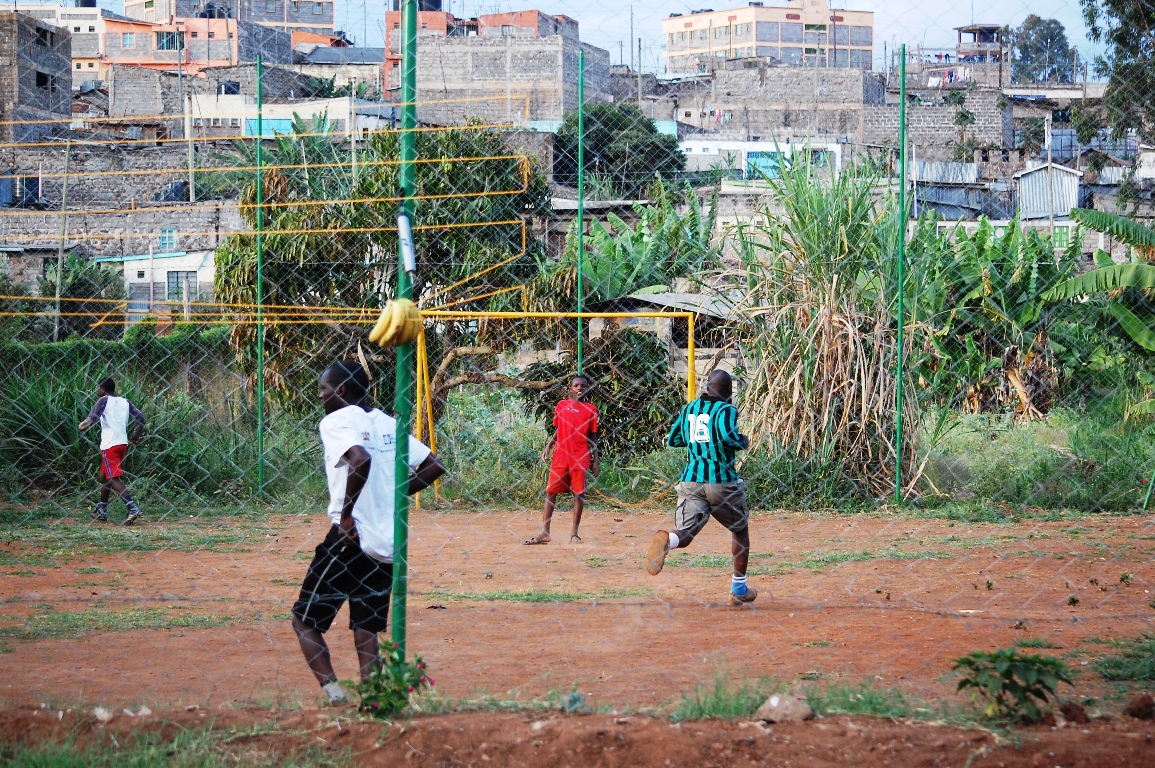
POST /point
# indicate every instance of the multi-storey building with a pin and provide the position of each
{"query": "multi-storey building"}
(801, 33)
(35, 78)
(288, 15)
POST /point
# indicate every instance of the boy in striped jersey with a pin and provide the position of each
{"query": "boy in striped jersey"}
(710, 486)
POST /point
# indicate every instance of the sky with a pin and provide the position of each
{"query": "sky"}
(606, 23)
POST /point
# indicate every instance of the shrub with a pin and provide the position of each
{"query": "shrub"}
(391, 686)
(1014, 685)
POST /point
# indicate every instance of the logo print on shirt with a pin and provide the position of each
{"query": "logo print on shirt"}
(699, 427)
(365, 436)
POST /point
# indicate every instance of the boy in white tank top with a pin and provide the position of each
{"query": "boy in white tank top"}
(113, 414)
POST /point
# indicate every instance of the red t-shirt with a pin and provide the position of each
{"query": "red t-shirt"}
(575, 421)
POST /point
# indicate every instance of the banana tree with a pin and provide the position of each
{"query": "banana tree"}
(1130, 287)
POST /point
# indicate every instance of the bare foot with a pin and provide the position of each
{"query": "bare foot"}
(541, 538)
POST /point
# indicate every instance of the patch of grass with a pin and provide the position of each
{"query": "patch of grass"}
(66, 624)
(537, 596)
(597, 562)
(817, 644)
(4, 647)
(24, 573)
(192, 748)
(1035, 642)
(726, 700)
(1135, 661)
(860, 699)
(690, 560)
(86, 571)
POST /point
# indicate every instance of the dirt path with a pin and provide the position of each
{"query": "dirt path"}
(843, 600)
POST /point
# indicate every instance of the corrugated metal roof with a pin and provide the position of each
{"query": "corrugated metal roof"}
(1112, 175)
(698, 303)
(946, 173)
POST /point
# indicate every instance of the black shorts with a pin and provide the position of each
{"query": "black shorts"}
(339, 573)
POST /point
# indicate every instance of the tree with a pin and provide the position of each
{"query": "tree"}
(621, 145)
(1040, 52)
(1125, 27)
(87, 290)
(330, 240)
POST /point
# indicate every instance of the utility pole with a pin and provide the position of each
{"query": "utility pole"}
(1050, 182)
(639, 74)
(631, 36)
(188, 133)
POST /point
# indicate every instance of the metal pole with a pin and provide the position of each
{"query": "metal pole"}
(1147, 498)
(63, 234)
(581, 192)
(1050, 183)
(188, 132)
(403, 397)
(260, 288)
(639, 74)
(901, 271)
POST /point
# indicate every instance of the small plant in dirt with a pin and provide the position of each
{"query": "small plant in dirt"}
(1014, 685)
(391, 686)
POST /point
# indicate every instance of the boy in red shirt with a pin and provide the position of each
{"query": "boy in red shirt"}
(575, 454)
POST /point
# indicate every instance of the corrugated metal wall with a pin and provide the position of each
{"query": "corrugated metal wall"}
(1034, 194)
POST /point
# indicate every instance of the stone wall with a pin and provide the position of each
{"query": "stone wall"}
(136, 91)
(108, 175)
(199, 227)
(931, 128)
(35, 78)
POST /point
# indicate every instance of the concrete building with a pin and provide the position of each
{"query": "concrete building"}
(434, 22)
(802, 33)
(755, 160)
(507, 67)
(286, 15)
(35, 78)
(982, 56)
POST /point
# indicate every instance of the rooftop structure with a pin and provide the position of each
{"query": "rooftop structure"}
(287, 15)
(801, 33)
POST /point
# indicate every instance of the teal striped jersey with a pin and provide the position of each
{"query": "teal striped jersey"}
(708, 430)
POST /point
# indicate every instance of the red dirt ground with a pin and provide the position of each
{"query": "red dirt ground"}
(545, 741)
(886, 600)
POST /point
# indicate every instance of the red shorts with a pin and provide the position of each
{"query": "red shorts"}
(111, 460)
(563, 479)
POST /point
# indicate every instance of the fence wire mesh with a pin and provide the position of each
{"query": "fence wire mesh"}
(739, 207)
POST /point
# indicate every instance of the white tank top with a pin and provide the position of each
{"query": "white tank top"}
(114, 423)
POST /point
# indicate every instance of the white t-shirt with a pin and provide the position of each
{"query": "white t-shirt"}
(114, 422)
(376, 433)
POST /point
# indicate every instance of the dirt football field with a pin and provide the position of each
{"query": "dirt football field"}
(173, 615)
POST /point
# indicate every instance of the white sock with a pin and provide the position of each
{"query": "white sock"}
(673, 540)
(334, 691)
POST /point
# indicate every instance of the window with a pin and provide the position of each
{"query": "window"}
(78, 65)
(92, 29)
(140, 274)
(91, 65)
(127, 40)
(815, 27)
(1062, 237)
(194, 34)
(150, 4)
(216, 122)
(167, 240)
(46, 82)
(177, 282)
(506, 30)
(296, 6)
(45, 37)
(76, 29)
(229, 88)
(721, 32)
(689, 113)
(212, 35)
(234, 122)
(169, 41)
(271, 6)
(197, 122)
(318, 9)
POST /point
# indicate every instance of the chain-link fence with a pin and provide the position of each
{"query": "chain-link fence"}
(926, 271)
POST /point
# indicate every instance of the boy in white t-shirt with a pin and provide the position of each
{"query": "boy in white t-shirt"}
(355, 561)
(113, 414)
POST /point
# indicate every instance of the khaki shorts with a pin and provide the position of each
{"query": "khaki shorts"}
(698, 502)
